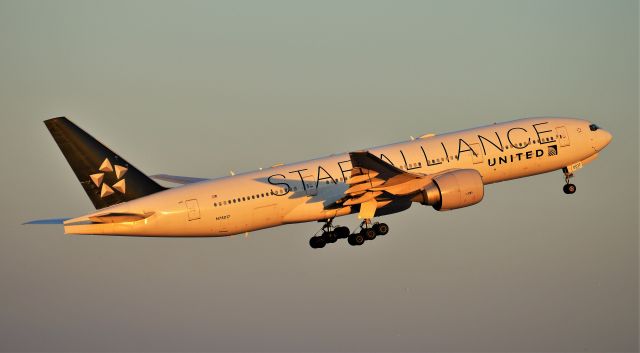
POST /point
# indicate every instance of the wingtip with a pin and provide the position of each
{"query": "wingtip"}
(46, 221)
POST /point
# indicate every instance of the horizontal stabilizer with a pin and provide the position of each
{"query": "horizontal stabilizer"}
(119, 217)
(48, 221)
(178, 179)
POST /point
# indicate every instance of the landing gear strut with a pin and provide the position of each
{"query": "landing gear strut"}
(568, 188)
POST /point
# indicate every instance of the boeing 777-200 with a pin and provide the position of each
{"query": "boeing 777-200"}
(446, 171)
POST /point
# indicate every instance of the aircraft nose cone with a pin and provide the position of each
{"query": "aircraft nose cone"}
(603, 139)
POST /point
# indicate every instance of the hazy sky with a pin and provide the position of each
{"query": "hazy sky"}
(201, 88)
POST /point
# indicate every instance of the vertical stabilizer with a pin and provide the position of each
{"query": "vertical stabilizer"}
(106, 177)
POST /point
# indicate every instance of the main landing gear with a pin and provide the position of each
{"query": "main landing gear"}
(331, 234)
(568, 188)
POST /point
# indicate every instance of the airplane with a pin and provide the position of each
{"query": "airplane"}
(445, 171)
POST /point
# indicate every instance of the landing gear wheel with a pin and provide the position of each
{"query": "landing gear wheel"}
(329, 237)
(381, 228)
(368, 233)
(317, 242)
(341, 232)
(569, 189)
(355, 239)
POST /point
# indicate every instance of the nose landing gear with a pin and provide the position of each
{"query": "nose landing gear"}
(568, 188)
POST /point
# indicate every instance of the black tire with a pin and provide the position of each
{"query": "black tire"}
(329, 237)
(569, 189)
(317, 242)
(341, 232)
(381, 228)
(356, 239)
(368, 233)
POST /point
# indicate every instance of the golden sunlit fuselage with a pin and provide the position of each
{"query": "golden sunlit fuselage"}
(301, 192)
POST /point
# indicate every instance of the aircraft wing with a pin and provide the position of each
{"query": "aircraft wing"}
(178, 179)
(374, 183)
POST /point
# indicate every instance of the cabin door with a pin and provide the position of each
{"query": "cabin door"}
(563, 137)
(193, 210)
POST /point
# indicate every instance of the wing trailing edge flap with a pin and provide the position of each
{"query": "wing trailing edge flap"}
(372, 174)
(374, 183)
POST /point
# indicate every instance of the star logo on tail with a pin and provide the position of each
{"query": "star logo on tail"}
(98, 178)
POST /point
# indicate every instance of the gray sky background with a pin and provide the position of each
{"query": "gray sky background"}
(201, 88)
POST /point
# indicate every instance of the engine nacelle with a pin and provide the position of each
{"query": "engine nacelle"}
(455, 189)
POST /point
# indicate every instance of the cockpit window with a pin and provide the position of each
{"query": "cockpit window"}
(593, 127)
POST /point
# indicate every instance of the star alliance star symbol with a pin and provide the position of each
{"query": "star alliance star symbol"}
(98, 178)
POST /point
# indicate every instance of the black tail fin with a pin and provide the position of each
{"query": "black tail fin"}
(105, 176)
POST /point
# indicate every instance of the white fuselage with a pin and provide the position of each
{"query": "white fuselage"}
(301, 192)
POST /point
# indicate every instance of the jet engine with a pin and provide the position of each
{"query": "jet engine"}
(451, 190)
